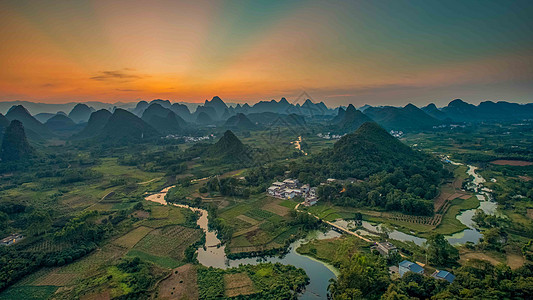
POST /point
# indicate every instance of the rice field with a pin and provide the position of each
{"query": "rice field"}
(133, 237)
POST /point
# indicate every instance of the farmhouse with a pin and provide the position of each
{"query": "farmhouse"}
(444, 275)
(407, 266)
(386, 248)
(11, 239)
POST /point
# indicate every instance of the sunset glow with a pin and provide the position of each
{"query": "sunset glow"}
(390, 52)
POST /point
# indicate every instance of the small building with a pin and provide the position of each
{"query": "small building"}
(289, 194)
(10, 240)
(331, 180)
(272, 190)
(305, 188)
(291, 183)
(386, 248)
(310, 201)
(408, 266)
(312, 191)
(444, 275)
(278, 184)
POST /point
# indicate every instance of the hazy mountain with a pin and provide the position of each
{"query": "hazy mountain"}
(340, 115)
(432, 110)
(164, 103)
(204, 119)
(140, 107)
(14, 143)
(405, 118)
(80, 113)
(210, 111)
(352, 119)
(239, 121)
(62, 125)
(32, 127)
(36, 107)
(95, 125)
(43, 117)
(181, 111)
(218, 105)
(123, 125)
(458, 110)
(155, 111)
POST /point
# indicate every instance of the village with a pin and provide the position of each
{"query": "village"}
(291, 188)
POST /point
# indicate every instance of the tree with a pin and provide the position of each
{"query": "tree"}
(39, 222)
(440, 252)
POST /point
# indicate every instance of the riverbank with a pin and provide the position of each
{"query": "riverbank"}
(318, 271)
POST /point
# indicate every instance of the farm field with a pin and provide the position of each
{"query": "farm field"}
(260, 223)
(248, 280)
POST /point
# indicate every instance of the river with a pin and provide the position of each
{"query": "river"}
(213, 254)
(471, 234)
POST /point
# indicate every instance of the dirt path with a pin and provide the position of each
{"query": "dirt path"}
(151, 180)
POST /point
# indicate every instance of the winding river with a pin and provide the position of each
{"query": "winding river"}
(471, 234)
(213, 254)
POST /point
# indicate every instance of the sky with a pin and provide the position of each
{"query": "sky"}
(361, 52)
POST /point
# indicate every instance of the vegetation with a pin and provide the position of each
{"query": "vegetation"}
(269, 281)
(398, 178)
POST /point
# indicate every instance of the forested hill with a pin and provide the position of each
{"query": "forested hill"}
(404, 178)
(369, 150)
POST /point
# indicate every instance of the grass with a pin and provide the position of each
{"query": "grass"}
(168, 242)
(28, 292)
(133, 237)
(334, 250)
(450, 224)
(163, 261)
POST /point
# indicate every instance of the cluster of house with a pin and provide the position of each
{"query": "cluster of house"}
(386, 249)
(291, 188)
(396, 133)
(189, 139)
(329, 136)
(11, 239)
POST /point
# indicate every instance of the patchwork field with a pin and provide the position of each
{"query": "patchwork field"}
(166, 246)
(133, 237)
(238, 284)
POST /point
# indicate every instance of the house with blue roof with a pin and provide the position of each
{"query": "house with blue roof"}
(408, 266)
(445, 275)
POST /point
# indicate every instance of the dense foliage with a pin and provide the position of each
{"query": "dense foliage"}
(270, 281)
(396, 177)
(477, 279)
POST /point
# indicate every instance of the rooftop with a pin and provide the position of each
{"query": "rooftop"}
(411, 266)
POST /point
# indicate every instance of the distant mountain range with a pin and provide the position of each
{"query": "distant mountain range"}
(161, 117)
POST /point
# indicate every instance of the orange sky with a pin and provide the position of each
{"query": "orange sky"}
(381, 53)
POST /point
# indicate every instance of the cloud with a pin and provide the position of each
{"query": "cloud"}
(119, 75)
(128, 90)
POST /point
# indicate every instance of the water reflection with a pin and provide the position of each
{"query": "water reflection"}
(213, 254)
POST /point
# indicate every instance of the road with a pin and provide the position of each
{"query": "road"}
(345, 230)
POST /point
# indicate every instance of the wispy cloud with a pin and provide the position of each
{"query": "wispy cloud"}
(128, 90)
(124, 75)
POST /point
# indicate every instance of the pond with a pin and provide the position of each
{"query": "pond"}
(213, 254)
